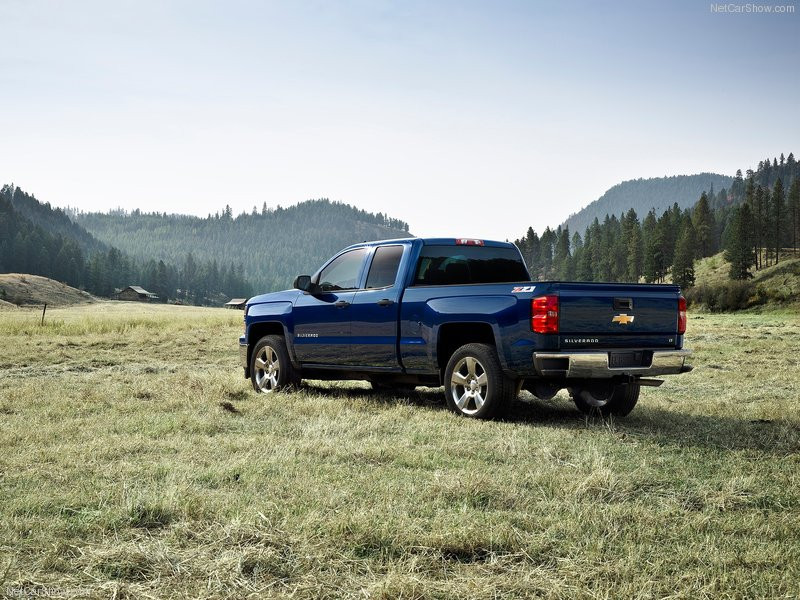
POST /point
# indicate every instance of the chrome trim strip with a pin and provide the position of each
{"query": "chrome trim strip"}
(589, 365)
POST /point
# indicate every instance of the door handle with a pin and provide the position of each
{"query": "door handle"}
(341, 304)
(385, 302)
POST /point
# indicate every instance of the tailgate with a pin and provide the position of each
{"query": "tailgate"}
(618, 315)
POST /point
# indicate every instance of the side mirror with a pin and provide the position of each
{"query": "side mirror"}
(303, 282)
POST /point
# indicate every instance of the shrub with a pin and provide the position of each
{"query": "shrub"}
(726, 297)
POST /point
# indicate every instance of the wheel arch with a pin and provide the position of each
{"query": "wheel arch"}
(257, 330)
(451, 336)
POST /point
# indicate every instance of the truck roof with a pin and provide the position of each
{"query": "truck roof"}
(439, 242)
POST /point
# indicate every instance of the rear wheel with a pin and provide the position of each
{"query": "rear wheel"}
(475, 385)
(270, 367)
(606, 399)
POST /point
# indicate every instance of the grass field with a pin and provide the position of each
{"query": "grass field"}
(122, 476)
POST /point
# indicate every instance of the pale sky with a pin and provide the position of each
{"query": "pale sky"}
(463, 118)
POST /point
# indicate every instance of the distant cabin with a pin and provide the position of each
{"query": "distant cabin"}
(136, 293)
(236, 303)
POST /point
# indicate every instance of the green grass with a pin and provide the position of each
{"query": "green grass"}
(122, 476)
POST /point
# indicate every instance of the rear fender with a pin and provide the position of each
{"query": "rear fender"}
(459, 313)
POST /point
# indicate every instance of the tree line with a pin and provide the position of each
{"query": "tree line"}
(273, 245)
(752, 221)
(40, 240)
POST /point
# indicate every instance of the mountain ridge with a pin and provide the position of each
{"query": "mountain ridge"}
(273, 245)
(644, 194)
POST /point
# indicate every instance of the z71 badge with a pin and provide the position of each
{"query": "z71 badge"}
(523, 288)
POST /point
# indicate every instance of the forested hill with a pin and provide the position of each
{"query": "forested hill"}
(55, 221)
(37, 239)
(642, 195)
(756, 221)
(273, 245)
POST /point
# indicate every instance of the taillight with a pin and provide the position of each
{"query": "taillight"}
(681, 315)
(544, 314)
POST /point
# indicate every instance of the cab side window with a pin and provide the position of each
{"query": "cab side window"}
(342, 273)
(383, 270)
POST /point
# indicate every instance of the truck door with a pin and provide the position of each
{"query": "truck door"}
(322, 321)
(376, 310)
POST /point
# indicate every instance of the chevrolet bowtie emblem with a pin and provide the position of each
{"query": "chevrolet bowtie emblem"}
(622, 319)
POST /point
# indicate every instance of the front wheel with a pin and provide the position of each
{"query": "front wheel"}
(270, 367)
(475, 385)
(617, 400)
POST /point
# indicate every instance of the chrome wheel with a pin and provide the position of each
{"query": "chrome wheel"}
(267, 369)
(468, 385)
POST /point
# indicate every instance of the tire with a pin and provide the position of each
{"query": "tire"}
(474, 383)
(618, 401)
(270, 367)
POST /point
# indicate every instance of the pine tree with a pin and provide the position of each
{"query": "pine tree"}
(683, 265)
(635, 252)
(737, 187)
(546, 243)
(533, 257)
(760, 225)
(703, 222)
(778, 214)
(584, 271)
(738, 243)
(577, 242)
(562, 254)
(652, 245)
(794, 209)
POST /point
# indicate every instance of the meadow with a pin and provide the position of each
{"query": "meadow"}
(136, 462)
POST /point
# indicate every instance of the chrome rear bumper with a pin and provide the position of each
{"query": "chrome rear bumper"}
(595, 365)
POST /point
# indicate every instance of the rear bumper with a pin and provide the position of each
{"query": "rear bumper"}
(243, 356)
(595, 365)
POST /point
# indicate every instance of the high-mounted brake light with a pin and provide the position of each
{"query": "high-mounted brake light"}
(544, 314)
(681, 315)
(468, 242)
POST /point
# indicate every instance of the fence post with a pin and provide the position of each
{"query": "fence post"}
(44, 309)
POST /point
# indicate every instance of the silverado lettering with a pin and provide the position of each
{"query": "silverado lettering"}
(464, 314)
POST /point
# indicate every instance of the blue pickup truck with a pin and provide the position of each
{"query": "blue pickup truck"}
(464, 314)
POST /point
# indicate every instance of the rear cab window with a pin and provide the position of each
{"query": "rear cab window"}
(383, 270)
(460, 265)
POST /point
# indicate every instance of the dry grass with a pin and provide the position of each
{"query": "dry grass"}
(122, 475)
(19, 289)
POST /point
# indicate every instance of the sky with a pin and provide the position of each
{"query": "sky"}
(463, 118)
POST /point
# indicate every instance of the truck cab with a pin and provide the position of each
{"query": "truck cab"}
(464, 314)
